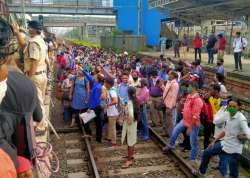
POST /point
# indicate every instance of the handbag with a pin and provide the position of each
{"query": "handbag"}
(162, 105)
(87, 116)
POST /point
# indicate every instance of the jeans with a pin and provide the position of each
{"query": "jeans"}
(210, 52)
(179, 128)
(67, 115)
(237, 60)
(144, 120)
(197, 50)
(99, 119)
(177, 52)
(225, 159)
(163, 48)
(208, 131)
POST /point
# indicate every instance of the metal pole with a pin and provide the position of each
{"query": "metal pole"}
(230, 39)
(139, 18)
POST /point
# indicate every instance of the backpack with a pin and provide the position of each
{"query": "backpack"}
(242, 44)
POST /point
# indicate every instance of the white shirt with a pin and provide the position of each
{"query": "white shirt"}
(234, 126)
(222, 88)
(112, 110)
(238, 44)
(220, 119)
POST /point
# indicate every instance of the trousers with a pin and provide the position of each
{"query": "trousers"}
(40, 82)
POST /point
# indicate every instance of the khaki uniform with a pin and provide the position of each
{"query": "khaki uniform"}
(37, 50)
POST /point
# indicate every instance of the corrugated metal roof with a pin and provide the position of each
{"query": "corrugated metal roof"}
(198, 10)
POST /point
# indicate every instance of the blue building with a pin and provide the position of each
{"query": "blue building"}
(127, 19)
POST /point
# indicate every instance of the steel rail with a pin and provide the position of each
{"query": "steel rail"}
(93, 166)
(188, 170)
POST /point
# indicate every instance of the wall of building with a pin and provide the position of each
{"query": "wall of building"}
(127, 19)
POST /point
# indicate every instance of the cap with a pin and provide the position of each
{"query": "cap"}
(125, 53)
(8, 45)
(24, 165)
(35, 25)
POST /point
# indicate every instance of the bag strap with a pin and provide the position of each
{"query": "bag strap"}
(167, 93)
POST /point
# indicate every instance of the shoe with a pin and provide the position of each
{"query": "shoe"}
(107, 140)
(166, 149)
(145, 139)
(200, 174)
(113, 145)
(86, 136)
(235, 70)
(193, 163)
(165, 135)
(241, 70)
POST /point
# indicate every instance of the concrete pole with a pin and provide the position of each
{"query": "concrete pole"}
(82, 34)
(23, 13)
(86, 31)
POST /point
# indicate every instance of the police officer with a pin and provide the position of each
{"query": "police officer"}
(36, 62)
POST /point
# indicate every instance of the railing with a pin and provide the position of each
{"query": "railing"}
(160, 3)
(80, 3)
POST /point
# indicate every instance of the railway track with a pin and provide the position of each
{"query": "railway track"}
(74, 152)
(149, 160)
(82, 158)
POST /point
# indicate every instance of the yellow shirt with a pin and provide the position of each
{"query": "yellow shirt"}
(215, 103)
(104, 93)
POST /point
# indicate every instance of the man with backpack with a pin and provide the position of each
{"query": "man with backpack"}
(239, 45)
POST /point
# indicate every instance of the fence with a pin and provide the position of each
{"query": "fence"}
(124, 42)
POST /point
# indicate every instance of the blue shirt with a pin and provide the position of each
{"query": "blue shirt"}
(163, 76)
(123, 93)
(220, 70)
(95, 94)
(90, 78)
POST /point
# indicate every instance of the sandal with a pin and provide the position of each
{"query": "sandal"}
(86, 136)
(126, 157)
(127, 164)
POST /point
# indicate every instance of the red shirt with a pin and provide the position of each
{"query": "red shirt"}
(192, 108)
(222, 43)
(207, 109)
(197, 42)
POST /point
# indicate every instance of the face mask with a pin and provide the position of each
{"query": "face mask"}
(218, 64)
(3, 89)
(190, 90)
(232, 111)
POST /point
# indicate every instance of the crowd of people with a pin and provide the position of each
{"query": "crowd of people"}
(213, 45)
(126, 93)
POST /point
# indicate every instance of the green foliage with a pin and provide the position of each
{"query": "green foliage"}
(116, 32)
(85, 43)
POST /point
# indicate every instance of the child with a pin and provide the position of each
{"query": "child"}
(129, 130)
(66, 101)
